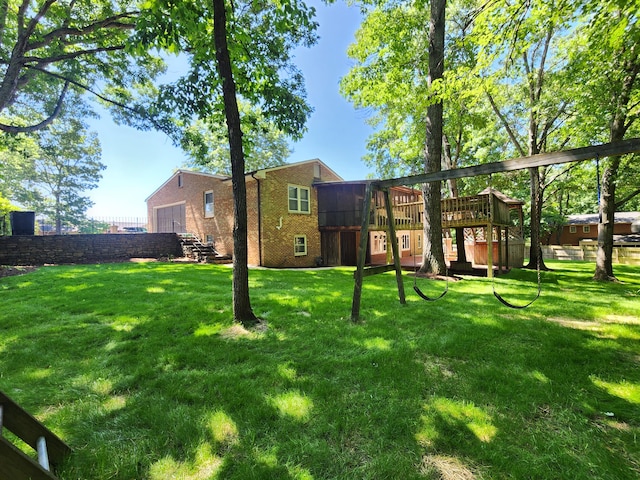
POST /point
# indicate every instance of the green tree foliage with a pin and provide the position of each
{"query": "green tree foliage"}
(521, 78)
(521, 66)
(389, 79)
(235, 50)
(400, 55)
(261, 38)
(15, 152)
(605, 62)
(5, 208)
(208, 147)
(48, 47)
(66, 165)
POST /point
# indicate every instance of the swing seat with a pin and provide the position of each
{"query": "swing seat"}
(511, 305)
(429, 299)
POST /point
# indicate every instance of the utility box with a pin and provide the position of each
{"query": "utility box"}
(23, 223)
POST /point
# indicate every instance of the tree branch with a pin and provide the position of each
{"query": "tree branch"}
(549, 124)
(621, 202)
(110, 22)
(20, 17)
(33, 23)
(543, 60)
(142, 114)
(631, 119)
(45, 122)
(506, 125)
(564, 172)
(67, 56)
(519, 20)
(529, 72)
(4, 8)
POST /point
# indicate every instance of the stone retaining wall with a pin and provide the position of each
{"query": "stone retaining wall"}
(39, 250)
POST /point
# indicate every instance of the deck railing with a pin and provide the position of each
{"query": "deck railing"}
(456, 212)
(405, 215)
(473, 211)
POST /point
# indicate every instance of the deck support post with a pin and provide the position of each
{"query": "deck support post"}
(500, 256)
(506, 247)
(489, 238)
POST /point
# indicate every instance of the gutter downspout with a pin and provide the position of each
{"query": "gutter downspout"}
(259, 218)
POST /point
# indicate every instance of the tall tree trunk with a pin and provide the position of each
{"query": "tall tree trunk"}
(619, 127)
(449, 163)
(535, 251)
(607, 210)
(433, 253)
(242, 311)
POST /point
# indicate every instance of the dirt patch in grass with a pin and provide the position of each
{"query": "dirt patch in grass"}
(431, 276)
(9, 271)
(446, 468)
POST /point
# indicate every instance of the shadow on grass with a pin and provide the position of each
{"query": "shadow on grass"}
(154, 381)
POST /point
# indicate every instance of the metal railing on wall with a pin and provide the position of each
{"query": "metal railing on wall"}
(95, 225)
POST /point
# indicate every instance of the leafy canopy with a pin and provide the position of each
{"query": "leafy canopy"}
(49, 47)
(208, 149)
(54, 177)
(261, 39)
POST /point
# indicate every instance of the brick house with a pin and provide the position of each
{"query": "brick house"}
(585, 227)
(282, 208)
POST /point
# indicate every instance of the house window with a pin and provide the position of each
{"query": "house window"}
(300, 245)
(209, 239)
(299, 199)
(419, 242)
(379, 244)
(405, 242)
(179, 180)
(586, 228)
(208, 204)
(573, 229)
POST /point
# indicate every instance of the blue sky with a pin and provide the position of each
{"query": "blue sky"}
(139, 162)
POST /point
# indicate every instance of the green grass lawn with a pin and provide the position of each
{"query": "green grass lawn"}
(140, 369)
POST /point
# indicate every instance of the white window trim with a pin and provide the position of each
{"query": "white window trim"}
(378, 243)
(299, 188)
(296, 245)
(204, 200)
(403, 237)
(573, 229)
(586, 229)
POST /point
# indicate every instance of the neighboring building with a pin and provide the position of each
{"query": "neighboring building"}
(580, 228)
(282, 208)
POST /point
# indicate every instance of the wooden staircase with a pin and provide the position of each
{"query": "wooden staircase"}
(194, 248)
(14, 463)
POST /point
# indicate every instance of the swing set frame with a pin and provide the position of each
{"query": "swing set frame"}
(541, 160)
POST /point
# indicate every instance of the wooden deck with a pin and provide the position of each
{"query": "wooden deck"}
(465, 212)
